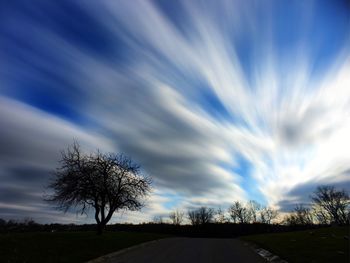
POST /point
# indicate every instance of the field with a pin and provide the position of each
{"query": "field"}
(320, 245)
(65, 246)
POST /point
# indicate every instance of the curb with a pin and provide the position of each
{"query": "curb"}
(107, 257)
(265, 254)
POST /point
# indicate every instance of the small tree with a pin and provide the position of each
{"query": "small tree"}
(303, 215)
(201, 216)
(105, 182)
(239, 213)
(268, 214)
(206, 215)
(176, 217)
(158, 219)
(254, 209)
(334, 202)
(193, 217)
(220, 216)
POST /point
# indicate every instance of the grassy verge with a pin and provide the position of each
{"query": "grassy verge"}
(319, 245)
(66, 246)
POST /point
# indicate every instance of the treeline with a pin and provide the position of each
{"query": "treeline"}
(219, 230)
(328, 206)
(29, 225)
(239, 212)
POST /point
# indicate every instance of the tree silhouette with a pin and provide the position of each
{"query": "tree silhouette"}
(158, 219)
(220, 216)
(105, 182)
(176, 217)
(254, 209)
(334, 202)
(321, 215)
(268, 214)
(301, 215)
(239, 213)
(201, 216)
(304, 215)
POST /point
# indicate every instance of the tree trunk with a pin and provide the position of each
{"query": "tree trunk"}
(100, 228)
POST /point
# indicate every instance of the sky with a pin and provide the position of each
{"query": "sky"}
(217, 100)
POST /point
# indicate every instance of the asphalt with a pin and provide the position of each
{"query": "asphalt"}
(185, 250)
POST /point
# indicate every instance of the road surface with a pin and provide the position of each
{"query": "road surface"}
(185, 250)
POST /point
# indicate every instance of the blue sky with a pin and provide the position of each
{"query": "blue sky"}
(217, 100)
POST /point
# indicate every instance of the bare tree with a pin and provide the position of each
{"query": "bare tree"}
(193, 217)
(220, 216)
(301, 215)
(201, 216)
(334, 202)
(158, 219)
(239, 213)
(105, 182)
(290, 219)
(254, 209)
(176, 217)
(320, 215)
(268, 214)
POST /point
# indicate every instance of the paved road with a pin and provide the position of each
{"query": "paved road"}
(183, 250)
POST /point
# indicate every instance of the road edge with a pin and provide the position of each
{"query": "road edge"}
(265, 254)
(106, 257)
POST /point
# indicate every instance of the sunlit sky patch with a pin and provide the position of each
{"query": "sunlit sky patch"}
(217, 100)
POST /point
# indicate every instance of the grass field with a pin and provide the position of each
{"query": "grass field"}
(319, 245)
(65, 246)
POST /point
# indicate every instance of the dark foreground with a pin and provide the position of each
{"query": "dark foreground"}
(326, 245)
(188, 250)
(66, 247)
(315, 245)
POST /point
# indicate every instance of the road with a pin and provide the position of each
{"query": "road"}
(185, 250)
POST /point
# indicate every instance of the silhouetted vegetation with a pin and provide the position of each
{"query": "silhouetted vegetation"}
(334, 202)
(239, 213)
(201, 216)
(251, 212)
(105, 182)
(268, 214)
(255, 209)
(217, 230)
(243, 219)
(220, 217)
(300, 216)
(158, 219)
(224, 230)
(328, 206)
(177, 217)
